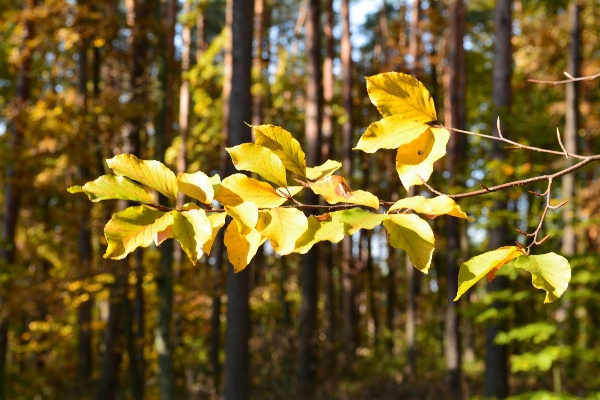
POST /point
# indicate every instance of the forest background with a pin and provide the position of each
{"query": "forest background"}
(81, 81)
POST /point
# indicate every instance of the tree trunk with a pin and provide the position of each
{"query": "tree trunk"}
(308, 279)
(327, 127)
(415, 39)
(348, 269)
(496, 368)
(455, 115)
(571, 126)
(259, 97)
(12, 191)
(240, 112)
(163, 339)
(84, 314)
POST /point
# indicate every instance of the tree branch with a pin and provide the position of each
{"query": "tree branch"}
(571, 79)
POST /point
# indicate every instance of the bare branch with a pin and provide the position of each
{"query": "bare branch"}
(498, 126)
(561, 143)
(571, 79)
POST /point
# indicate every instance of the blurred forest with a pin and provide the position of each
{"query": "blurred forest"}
(174, 80)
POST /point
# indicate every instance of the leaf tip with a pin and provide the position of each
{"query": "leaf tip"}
(75, 189)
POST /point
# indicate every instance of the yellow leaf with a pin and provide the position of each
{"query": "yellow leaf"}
(290, 190)
(335, 190)
(261, 160)
(414, 235)
(417, 157)
(132, 228)
(479, 266)
(319, 229)
(237, 188)
(357, 219)
(282, 143)
(440, 205)
(109, 187)
(323, 170)
(192, 229)
(197, 185)
(217, 220)
(245, 213)
(390, 133)
(399, 94)
(282, 226)
(150, 173)
(241, 247)
(163, 235)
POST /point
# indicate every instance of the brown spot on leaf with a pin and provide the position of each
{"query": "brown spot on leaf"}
(322, 217)
(342, 189)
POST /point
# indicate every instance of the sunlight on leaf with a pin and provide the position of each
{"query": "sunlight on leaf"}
(335, 190)
(282, 226)
(417, 157)
(550, 272)
(324, 170)
(217, 220)
(414, 235)
(320, 228)
(237, 188)
(260, 160)
(150, 173)
(197, 185)
(357, 219)
(241, 247)
(473, 270)
(440, 205)
(245, 213)
(192, 229)
(282, 143)
(132, 228)
(390, 133)
(109, 187)
(400, 94)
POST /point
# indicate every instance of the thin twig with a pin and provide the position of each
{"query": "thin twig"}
(585, 161)
(498, 126)
(561, 143)
(513, 143)
(582, 78)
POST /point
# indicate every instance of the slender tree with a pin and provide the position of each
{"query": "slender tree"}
(571, 124)
(347, 265)
(455, 114)
(12, 190)
(496, 358)
(240, 112)
(308, 278)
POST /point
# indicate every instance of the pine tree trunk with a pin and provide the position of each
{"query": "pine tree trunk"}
(496, 359)
(308, 279)
(240, 112)
(348, 269)
(12, 191)
(455, 114)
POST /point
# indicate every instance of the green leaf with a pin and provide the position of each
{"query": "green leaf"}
(215, 181)
(282, 143)
(132, 228)
(549, 272)
(283, 227)
(150, 173)
(260, 160)
(217, 220)
(357, 218)
(417, 157)
(335, 190)
(440, 205)
(320, 228)
(479, 266)
(324, 170)
(414, 235)
(400, 94)
(237, 188)
(109, 187)
(192, 229)
(197, 185)
(390, 133)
